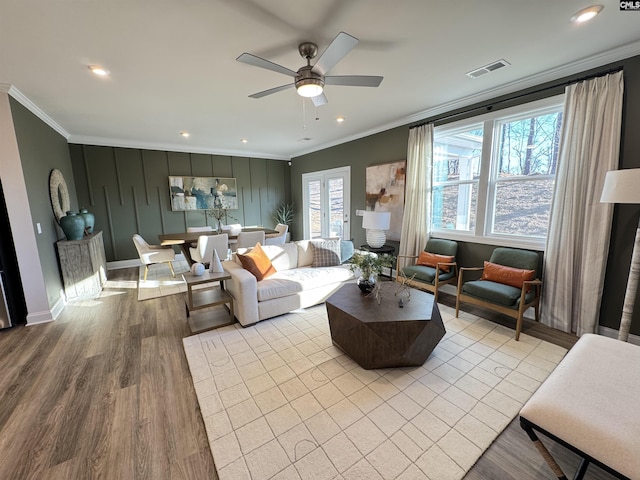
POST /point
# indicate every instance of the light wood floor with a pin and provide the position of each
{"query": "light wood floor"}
(105, 392)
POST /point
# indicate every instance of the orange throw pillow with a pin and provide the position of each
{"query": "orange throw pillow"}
(507, 275)
(257, 262)
(432, 259)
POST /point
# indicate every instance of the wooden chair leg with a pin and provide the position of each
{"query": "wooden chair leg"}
(173, 274)
(146, 269)
(518, 326)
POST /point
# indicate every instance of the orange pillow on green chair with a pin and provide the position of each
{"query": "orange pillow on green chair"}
(432, 259)
(257, 262)
(507, 275)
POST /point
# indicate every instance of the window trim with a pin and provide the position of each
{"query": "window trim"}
(485, 205)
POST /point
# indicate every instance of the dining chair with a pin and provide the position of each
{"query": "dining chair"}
(207, 244)
(196, 230)
(150, 254)
(249, 239)
(280, 237)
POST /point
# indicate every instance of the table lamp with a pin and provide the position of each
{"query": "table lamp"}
(623, 186)
(375, 223)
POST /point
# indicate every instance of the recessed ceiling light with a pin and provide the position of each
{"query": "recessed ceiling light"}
(185, 134)
(99, 70)
(340, 119)
(587, 14)
(244, 140)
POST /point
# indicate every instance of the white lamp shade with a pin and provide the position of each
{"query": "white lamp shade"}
(621, 186)
(376, 220)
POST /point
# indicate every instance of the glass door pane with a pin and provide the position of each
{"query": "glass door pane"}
(336, 201)
(314, 193)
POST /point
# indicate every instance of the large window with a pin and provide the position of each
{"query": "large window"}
(493, 176)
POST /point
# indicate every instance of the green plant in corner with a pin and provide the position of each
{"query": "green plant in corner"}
(284, 213)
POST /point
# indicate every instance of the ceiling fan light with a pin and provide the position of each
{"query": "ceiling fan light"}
(309, 87)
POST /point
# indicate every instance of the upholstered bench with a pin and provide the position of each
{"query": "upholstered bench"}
(589, 404)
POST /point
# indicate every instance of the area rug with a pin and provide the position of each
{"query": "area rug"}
(280, 401)
(160, 282)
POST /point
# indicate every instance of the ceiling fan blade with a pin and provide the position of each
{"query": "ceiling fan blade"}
(264, 93)
(336, 51)
(262, 63)
(319, 100)
(353, 80)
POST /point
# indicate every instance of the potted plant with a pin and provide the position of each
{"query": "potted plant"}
(369, 265)
(284, 214)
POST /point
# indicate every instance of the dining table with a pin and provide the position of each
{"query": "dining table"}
(185, 239)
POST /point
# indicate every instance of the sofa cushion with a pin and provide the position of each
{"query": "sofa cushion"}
(305, 253)
(346, 250)
(326, 253)
(257, 262)
(289, 282)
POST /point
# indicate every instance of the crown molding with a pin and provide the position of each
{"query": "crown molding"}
(170, 147)
(616, 54)
(610, 56)
(33, 108)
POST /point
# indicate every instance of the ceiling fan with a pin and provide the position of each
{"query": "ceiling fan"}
(310, 80)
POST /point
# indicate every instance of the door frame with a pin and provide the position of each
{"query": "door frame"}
(324, 176)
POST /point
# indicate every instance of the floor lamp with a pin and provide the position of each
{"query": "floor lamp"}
(623, 186)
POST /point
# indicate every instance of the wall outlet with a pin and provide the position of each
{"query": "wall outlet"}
(39, 228)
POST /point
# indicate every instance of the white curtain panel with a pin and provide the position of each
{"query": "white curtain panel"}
(417, 203)
(580, 226)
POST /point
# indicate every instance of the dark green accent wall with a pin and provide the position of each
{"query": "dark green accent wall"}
(41, 150)
(392, 145)
(128, 191)
(384, 147)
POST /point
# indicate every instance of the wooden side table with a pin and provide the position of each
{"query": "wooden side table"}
(207, 299)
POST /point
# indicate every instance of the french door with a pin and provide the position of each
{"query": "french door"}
(326, 203)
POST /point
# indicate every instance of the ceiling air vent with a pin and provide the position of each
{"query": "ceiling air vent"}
(478, 72)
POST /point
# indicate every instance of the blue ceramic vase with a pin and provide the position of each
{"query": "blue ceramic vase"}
(89, 219)
(72, 225)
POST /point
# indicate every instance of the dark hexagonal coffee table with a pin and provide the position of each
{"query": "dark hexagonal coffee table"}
(385, 335)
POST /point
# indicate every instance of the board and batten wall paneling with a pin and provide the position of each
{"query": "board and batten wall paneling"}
(128, 191)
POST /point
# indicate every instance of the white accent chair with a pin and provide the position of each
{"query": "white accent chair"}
(196, 230)
(280, 237)
(199, 229)
(232, 230)
(150, 254)
(249, 239)
(203, 253)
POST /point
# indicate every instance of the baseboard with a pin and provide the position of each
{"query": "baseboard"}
(530, 314)
(613, 333)
(40, 317)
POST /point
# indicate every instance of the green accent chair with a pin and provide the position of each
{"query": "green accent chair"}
(429, 278)
(506, 299)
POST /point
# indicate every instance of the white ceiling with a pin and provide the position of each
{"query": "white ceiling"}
(173, 64)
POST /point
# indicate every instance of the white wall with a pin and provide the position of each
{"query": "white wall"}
(15, 191)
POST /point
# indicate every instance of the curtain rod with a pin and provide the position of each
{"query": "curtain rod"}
(490, 106)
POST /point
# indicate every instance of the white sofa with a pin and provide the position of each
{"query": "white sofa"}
(296, 284)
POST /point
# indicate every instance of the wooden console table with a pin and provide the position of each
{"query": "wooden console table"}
(205, 299)
(83, 265)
